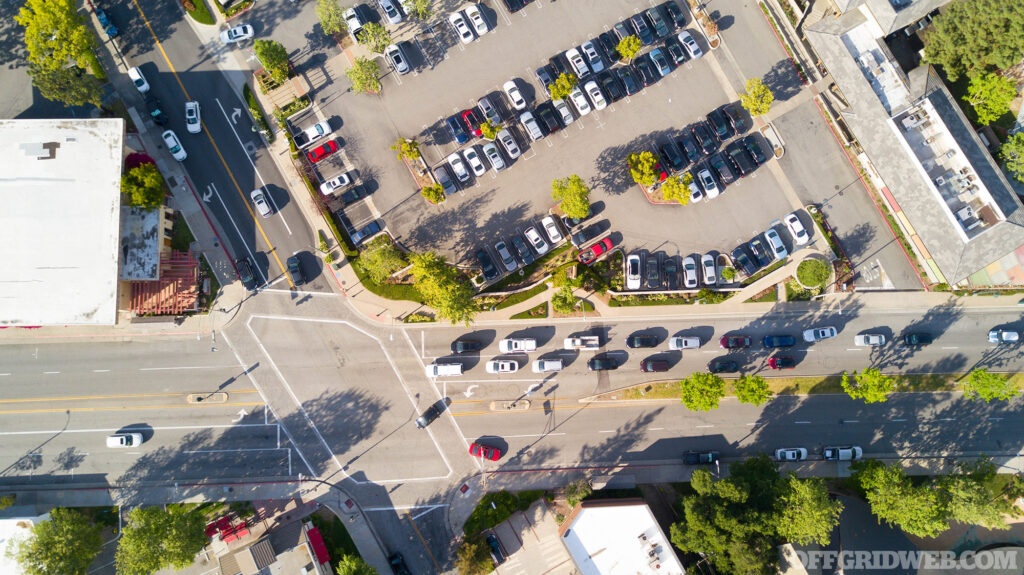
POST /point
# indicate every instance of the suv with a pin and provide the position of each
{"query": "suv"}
(486, 265)
(585, 235)
(740, 157)
(295, 271)
(354, 22)
(700, 457)
(497, 556)
(532, 128)
(743, 261)
(444, 179)
(633, 271)
(779, 341)
(723, 167)
(643, 31)
(720, 122)
(842, 453)
(465, 346)
(245, 273)
(671, 153)
(602, 363)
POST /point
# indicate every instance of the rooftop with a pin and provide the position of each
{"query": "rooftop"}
(619, 536)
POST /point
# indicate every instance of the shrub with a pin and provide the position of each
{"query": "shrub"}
(728, 273)
(812, 272)
(274, 58)
(434, 194)
(199, 12)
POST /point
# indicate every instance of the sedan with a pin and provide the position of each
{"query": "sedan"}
(775, 244)
(720, 122)
(723, 167)
(390, 11)
(494, 157)
(472, 122)
(259, 199)
(643, 31)
(593, 58)
(778, 341)
(465, 346)
(505, 256)
(322, 151)
(638, 341)
(485, 452)
(796, 229)
(653, 273)
(707, 264)
(675, 52)
(334, 184)
(734, 342)
(760, 252)
(594, 91)
(842, 453)
(690, 44)
(704, 137)
(918, 338)
(473, 159)
(689, 147)
(549, 117)
(155, 112)
(873, 339)
(174, 145)
(660, 62)
(791, 454)
(707, 181)
(819, 333)
(628, 79)
(502, 366)
(689, 272)
(633, 271)
(595, 251)
(723, 366)
(514, 95)
(522, 250)
(1003, 336)
(656, 18)
(551, 227)
(675, 13)
(610, 45)
(245, 273)
(602, 363)
(236, 34)
(367, 231)
(670, 152)
(645, 69)
(295, 270)
(563, 111)
(671, 273)
(458, 166)
(456, 129)
(138, 79)
(477, 19)
(193, 121)
(754, 149)
(742, 260)
(539, 245)
(579, 65)
(611, 86)
(486, 265)
(461, 28)
(700, 457)
(428, 416)
(580, 101)
(509, 143)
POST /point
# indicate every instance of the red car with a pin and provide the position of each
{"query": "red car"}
(782, 362)
(491, 453)
(734, 342)
(662, 174)
(317, 154)
(595, 251)
(472, 122)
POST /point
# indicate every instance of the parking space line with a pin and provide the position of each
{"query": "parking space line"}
(423, 52)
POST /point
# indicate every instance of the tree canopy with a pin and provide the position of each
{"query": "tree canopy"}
(422, 9)
(55, 33)
(673, 189)
(365, 76)
(628, 48)
(980, 384)
(144, 186)
(375, 37)
(331, 14)
(573, 195)
(641, 168)
(564, 84)
(807, 512)
(64, 545)
(409, 149)
(757, 98)
(752, 389)
(274, 58)
(155, 539)
(444, 288)
(971, 37)
(990, 96)
(871, 385)
(354, 565)
(1012, 154)
(70, 86)
(702, 391)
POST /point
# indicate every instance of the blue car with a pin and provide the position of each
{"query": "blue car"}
(779, 341)
(456, 129)
(366, 232)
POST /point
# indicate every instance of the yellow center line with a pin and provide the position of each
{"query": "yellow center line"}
(245, 200)
(536, 409)
(130, 407)
(92, 397)
(423, 541)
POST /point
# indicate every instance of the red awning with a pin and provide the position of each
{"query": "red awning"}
(318, 546)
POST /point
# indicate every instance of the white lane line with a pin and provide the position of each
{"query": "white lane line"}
(751, 424)
(699, 426)
(899, 419)
(231, 219)
(996, 418)
(101, 430)
(237, 450)
(523, 435)
(502, 380)
(189, 367)
(801, 422)
(853, 349)
(947, 419)
(607, 431)
(100, 370)
(4, 374)
(951, 347)
(655, 428)
(404, 507)
(50, 372)
(851, 421)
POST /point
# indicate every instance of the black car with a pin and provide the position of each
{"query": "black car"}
(670, 153)
(653, 275)
(650, 365)
(486, 265)
(559, 65)
(705, 137)
(917, 338)
(722, 165)
(398, 565)
(549, 117)
(628, 78)
(515, 5)
(675, 14)
(636, 341)
(740, 157)
(585, 235)
(688, 145)
(760, 252)
(610, 44)
(643, 31)
(720, 123)
(645, 69)
(611, 86)
(754, 149)
(571, 223)
(602, 363)
(735, 116)
(465, 346)
(245, 273)
(428, 416)
(778, 341)
(295, 271)
(155, 111)
(670, 271)
(675, 52)
(700, 457)
(742, 260)
(544, 76)
(497, 555)
(723, 366)
(658, 23)
(522, 249)
(352, 194)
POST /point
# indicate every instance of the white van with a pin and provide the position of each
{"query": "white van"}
(444, 369)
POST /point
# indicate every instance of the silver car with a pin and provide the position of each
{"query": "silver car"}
(689, 272)
(390, 11)
(397, 58)
(506, 256)
(493, 156)
(533, 236)
(509, 143)
(261, 203)
(707, 263)
(775, 242)
(690, 44)
(563, 111)
(707, 181)
(593, 58)
(458, 166)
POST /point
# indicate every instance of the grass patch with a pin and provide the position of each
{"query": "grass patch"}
(486, 515)
(796, 292)
(257, 112)
(291, 108)
(763, 272)
(653, 299)
(522, 296)
(584, 305)
(418, 318)
(527, 271)
(200, 13)
(236, 8)
(666, 390)
(769, 295)
(540, 311)
(105, 516)
(813, 272)
(336, 537)
(181, 236)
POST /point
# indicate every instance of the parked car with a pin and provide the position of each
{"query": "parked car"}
(536, 240)
(486, 265)
(760, 252)
(680, 342)
(545, 77)
(156, 111)
(610, 44)
(546, 365)
(633, 272)
(641, 340)
(563, 112)
(579, 65)
(869, 339)
(236, 34)
(487, 108)
(740, 157)
(690, 44)
(571, 223)
(707, 181)
(791, 454)
(596, 97)
(354, 22)
(672, 156)
(723, 366)
(497, 555)
(842, 453)
(501, 366)
(458, 166)
(734, 342)
(653, 272)
(602, 363)
(917, 338)
(628, 79)
(460, 346)
(707, 265)
(670, 271)
(1003, 336)
(775, 244)
(259, 199)
(494, 157)
(322, 151)
(471, 121)
(514, 95)
(444, 179)
(700, 457)
(397, 58)
(819, 333)
(651, 365)
(643, 31)
(585, 235)
(675, 52)
(245, 274)
(688, 145)
(771, 341)
(754, 149)
(658, 22)
(706, 139)
(295, 270)
(193, 119)
(551, 227)
(509, 143)
(723, 167)
(796, 229)
(461, 27)
(352, 195)
(367, 231)
(390, 11)
(548, 117)
(610, 86)
(742, 261)
(689, 272)
(476, 18)
(592, 57)
(334, 184)
(660, 62)
(735, 115)
(622, 30)
(456, 129)
(397, 563)
(174, 145)
(579, 101)
(138, 79)
(522, 250)
(675, 14)
(531, 126)
(645, 69)
(782, 362)
(474, 161)
(505, 256)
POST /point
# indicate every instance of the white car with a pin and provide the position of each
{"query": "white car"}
(124, 440)
(564, 112)
(819, 333)
(477, 19)
(707, 263)
(551, 227)
(353, 21)
(505, 256)
(580, 101)
(869, 339)
(138, 79)
(594, 91)
(193, 120)
(689, 272)
(461, 28)
(796, 229)
(236, 34)
(696, 194)
(690, 44)
(174, 146)
(458, 166)
(547, 365)
(261, 203)
(593, 58)
(577, 63)
(842, 453)
(397, 58)
(707, 181)
(335, 183)
(509, 143)
(791, 454)
(390, 11)
(514, 95)
(679, 342)
(776, 245)
(517, 345)
(473, 159)
(1003, 336)
(633, 271)
(494, 157)
(502, 366)
(539, 245)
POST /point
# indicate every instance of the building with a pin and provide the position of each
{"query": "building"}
(14, 529)
(618, 537)
(962, 217)
(291, 549)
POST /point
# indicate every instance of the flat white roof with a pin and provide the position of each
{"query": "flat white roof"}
(60, 186)
(14, 529)
(619, 538)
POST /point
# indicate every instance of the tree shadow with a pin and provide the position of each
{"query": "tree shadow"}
(783, 80)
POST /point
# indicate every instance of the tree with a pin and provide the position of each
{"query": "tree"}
(332, 19)
(155, 539)
(573, 195)
(471, 557)
(354, 565)
(564, 84)
(577, 491)
(380, 259)
(976, 36)
(701, 391)
(752, 389)
(144, 186)
(433, 193)
(274, 58)
(444, 288)
(808, 514)
(564, 301)
(375, 37)
(758, 98)
(408, 149)
(674, 190)
(871, 385)
(70, 86)
(981, 384)
(55, 34)
(895, 500)
(1012, 153)
(641, 167)
(487, 130)
(628, 48)
(968, 496)
(990, 95)
(422, 9)
(64, 545)
(365, 76)
(728, 273)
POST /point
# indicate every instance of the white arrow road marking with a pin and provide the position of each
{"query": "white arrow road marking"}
(235, 115)
(241, 415)
(209, 193)
(469, 390)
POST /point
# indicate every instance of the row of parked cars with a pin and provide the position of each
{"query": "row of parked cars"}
(764, 249)
(845, 453)
(518, 251)
(661, 272)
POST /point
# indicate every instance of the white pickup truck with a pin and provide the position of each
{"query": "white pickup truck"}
(517, 345)
(312, 134)
(587, 342)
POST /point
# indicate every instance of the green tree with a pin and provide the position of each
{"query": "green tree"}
(674, 190)
(422, 9)
(564, 301)
(573, 195)
(274, 58)
(990, 95)
(56, 34)
(433, 193)
(408, 149)
(808, 514)
(577, 491)
(871, 385)
(728, 273)
(813, 272)
(702, 391)
(354, 565)
(752, 389)
(332, 19)
(628, 48)
(444, 288)
(375, 37)
(564, 84)
(969, 496)
(757, 98)
(70, 86)
(487, 130)
(155, 539)
(144, 186)
(64, 545)
(7, 500)
(980, 384)
(471, 558)
(976, 36)
(365, 76)
(897, 501)
(1012, 153)
(381, 258)
(641, 168)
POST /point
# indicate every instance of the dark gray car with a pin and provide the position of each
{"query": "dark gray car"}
(522, 250)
